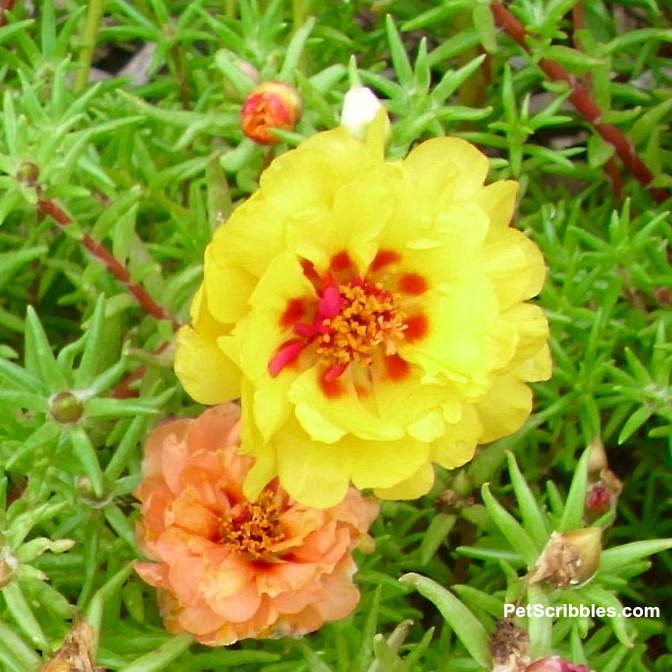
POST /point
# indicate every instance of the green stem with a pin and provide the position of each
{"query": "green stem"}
(94, 16)
(230, 9)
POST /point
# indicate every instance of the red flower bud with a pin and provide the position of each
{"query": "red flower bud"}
(555, 664)
(270, 105)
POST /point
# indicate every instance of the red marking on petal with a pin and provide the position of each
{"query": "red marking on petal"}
(417, 327)
(412, 283)
(334, 372)
(384, 258)
(340, 262)
(331, 388)
(397, 368)
(295, 310)
(311, 274)
(285, 355)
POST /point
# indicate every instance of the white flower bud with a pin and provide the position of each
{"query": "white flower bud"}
(360, 107)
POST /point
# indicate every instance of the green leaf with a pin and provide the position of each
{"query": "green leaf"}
(572, 513)
(517, 537)
(540, 628)
(14, 651)
(462, 621)
(239, 79)
(23, 615)
(634, 422)
(294, 51)
(484, 23)
(613, 559)
(90, 360)
(439, 528)
(39, 357)
(572, 59)
(315, 662)
(533, 518)
(43, 436)
(88, 458)
(159, 659)
(400, 62)
(219, 196)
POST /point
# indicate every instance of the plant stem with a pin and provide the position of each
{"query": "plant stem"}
(123, 389)
(94, 16)
(584, 104)
(104, 256)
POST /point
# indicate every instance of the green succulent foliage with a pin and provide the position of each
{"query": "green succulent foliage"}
(471, 616)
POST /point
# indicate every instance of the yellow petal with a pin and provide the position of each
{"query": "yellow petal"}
(205, 372)
(420, 483)
(432, 161)
(498, 200)
(514, 265)
(504, 408)
(323, 417)
(317, 474)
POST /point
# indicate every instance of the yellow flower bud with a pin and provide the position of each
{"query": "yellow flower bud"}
(360, 107)
(270, 105)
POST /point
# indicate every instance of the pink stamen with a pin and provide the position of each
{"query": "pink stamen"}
(330, 303)
(287, 353)
(307, 330)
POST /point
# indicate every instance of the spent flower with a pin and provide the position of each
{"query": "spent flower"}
(228, 568)
(370, 314)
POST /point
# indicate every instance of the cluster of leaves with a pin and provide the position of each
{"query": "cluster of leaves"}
(143, 166)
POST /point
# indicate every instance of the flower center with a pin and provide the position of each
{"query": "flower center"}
(367, 316)
(252, 529)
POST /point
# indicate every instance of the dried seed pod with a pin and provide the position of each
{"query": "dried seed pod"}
(509, 645)
(569, 558)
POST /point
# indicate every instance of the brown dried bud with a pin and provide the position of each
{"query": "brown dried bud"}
(77, 653)
(8, 563)
(66, 408)
(509, 645)
(569, 558)
(555, 664)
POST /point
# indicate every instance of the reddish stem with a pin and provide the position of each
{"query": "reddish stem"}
(5, 6)
(123, 389)
(103, 255)
(584, 104)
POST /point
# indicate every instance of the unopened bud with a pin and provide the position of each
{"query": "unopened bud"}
(598, 498)
(602, 495)
(360, 107)
(597, 459)
(555, 664)
(28, 173)
(569, 558)
(66, 408)
(270, 105)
